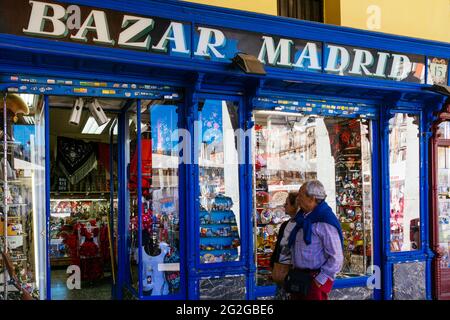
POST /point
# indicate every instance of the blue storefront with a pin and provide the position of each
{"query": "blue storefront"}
(345, 106)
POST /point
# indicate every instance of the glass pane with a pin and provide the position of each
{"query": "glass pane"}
(404, 170)
(160, 218)
(292, 149)
(444, 130)
(219, 182)
(444, 204)
(22, 191)
(131, 217)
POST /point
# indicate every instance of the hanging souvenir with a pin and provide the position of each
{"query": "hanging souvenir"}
(266, 216)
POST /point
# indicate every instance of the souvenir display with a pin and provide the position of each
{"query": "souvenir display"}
(79, 235)
(303, 148)
(219, 211)
(219, 234)
(275, 175)
(160, 205)
(352, 156)
(443, 189)
(16, 208)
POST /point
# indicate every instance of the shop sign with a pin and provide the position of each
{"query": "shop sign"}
(104, 27)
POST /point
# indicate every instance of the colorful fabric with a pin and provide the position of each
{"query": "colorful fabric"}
(315, 292)
(146, 160)
(76, 158)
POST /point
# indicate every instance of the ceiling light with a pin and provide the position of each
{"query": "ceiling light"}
(98, 113)
(77, 111)
(91, 126)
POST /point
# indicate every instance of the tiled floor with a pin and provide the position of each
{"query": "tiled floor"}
(98, 290)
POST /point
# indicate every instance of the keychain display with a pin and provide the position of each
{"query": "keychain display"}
(345, 140)
(219, 234)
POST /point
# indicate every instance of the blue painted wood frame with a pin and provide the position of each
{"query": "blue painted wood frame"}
(424, 254)
(199, 14)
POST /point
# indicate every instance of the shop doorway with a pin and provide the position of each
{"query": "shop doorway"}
(83, 231)
(112, 227)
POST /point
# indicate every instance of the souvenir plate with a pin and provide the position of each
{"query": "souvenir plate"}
(279, 198)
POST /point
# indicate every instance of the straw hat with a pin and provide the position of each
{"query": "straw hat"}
(16, 104)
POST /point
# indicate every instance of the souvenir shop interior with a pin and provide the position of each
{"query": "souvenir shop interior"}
(83, 186)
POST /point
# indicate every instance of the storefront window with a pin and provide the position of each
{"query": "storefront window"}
(444, 204)
(132, 219)
(444, 130)
(291, 149)
(160, 216)
(219, 182)
(22, 191)
(404, 171)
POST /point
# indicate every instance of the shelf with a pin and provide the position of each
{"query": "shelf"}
(14, 204)
(205, 225)
(20, 180)
(220, 237)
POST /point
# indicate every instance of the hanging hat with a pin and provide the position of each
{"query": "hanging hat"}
(16, 104)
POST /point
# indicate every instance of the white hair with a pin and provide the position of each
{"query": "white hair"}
(315, 189)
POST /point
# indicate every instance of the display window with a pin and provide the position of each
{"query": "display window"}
(404, 177)
(219, 211)
(160, 272)
(443, 199)
(290, 149)
(22, 190)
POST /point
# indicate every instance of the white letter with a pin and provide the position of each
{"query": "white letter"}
(178, 38)
(39, 16)
(98, 18)
(374, 281)
(73, 281)
(309, 52)
(401, 67)
(74, 21)
(140, 27)
(381, 65)
(282, 53)
(332, 63)
(363, 59)
(204, 42)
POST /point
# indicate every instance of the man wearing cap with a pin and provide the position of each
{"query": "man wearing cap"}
(316, 242)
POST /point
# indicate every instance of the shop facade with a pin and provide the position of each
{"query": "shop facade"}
(197, 157)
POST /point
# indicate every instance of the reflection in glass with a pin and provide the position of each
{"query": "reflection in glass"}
(22, 190)
(219, 182)
(292, 149)
(160, 216)
(131, 217)
(404, 171)
(444, 204)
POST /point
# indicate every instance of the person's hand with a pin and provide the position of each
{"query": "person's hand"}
(317, 283)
